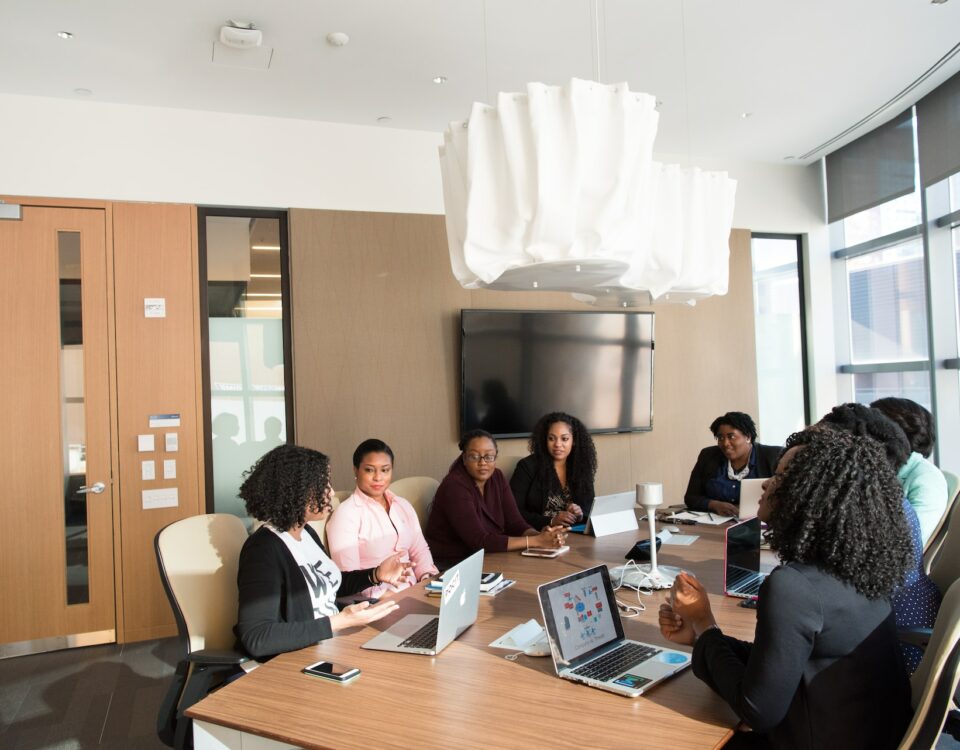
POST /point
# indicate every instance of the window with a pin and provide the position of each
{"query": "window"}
(243, 281)
(778, 320)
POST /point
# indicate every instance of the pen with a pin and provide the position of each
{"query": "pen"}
(710, 515)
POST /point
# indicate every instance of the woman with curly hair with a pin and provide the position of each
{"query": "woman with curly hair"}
(553, 486)
(917, 601)
(824, 668)
(287, 583)
(923, 483)
(714, 484)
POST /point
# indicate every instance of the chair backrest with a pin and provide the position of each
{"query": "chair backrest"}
(945, 565)
(419, 492)
(932, 547)
(321, 526)
(935, 681)
(198, 558)
(507, 464)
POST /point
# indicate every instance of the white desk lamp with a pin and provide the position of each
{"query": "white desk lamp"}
(650, 497)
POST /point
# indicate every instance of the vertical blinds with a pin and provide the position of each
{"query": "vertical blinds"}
(938, 132)
(875, 168)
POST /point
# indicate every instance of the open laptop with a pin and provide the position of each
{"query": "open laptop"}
(612, 514)
(430, 634)
(750, 492)
(741, 560)
(587, 642)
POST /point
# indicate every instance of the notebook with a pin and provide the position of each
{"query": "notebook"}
(430, 634)
(750, 492)
(742, 576)
(587, 641)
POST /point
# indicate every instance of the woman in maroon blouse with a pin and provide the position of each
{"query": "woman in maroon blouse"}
(474, 508)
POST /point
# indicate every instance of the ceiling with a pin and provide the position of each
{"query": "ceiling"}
(805, 71)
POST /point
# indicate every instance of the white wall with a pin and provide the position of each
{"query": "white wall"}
(84, 149)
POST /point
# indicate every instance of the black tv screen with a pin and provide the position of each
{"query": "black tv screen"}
(517, 366)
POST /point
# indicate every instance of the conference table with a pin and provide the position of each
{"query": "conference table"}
(469, 695)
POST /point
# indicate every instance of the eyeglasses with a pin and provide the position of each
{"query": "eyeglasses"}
(476, 458)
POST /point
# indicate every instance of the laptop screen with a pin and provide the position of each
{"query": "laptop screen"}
(743, 549)
(580, 613)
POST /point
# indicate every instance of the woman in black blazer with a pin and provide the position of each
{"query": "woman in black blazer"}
(287, 583)
(553, 486)
(714, 484)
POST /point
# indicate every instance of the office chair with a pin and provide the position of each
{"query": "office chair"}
(198, 558)
(935, 681)
(944, 567)
(935, 542)
(321, 526)
(507, 464)
(419, 492)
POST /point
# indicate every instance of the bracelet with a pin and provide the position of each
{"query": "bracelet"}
(373, 577)
(527, 538)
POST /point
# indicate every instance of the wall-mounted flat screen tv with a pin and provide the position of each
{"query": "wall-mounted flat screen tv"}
(519, 365)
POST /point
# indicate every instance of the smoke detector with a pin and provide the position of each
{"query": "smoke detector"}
(241, 35)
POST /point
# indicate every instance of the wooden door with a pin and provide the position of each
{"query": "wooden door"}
(56, 537)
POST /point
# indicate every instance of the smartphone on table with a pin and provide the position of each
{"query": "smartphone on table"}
(328, 670)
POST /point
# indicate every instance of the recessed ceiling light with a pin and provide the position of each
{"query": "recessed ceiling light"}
(745, 115)
(938, 2)
(83, 92)
(384, 118)
(337, 39)
(65, 35)
(439, 79)
(789, 158)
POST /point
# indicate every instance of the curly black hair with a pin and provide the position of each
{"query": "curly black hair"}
(838, 506)
(739, 421)
(581, 463)
(280, 486)
(858, 419)
(913, 419)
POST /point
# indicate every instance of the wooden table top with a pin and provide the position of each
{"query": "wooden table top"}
(470, 696)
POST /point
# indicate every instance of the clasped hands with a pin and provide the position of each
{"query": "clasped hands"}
(687, 613)
(568, 516)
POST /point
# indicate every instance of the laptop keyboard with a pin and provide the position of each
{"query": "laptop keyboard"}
(619, 660)
(426, 637)
(745, 583)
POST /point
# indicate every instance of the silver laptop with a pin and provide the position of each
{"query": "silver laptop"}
(611, 514)
(587, 642)
(430, 634)
(742, 577)
(750, 492)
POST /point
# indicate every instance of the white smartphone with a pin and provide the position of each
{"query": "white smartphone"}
(544, 551)
(330, 671)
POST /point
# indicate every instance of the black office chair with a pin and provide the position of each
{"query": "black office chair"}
(198, 558)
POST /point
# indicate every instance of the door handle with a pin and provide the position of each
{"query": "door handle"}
(96, 489)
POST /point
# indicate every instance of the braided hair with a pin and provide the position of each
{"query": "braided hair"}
(280, 486)
(838, 506)
(581, 463)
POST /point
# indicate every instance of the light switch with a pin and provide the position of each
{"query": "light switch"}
(148, 471)
(145, 443)
(172, 442)
(154, 307)
(169, 468)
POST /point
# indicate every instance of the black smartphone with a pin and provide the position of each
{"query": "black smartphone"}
(641, 550)
(330, 671)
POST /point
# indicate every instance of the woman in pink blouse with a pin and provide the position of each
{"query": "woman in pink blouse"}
(373, 523)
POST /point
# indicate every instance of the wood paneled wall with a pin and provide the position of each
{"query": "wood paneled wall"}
(375, 315)
(158, 372)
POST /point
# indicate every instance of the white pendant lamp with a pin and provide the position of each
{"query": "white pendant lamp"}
(556, 190)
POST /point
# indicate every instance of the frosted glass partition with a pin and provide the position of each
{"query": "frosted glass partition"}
(244, 263)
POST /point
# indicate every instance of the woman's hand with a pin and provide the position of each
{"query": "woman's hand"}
(396, 569)
(689, 600)
(358, 615)
(575, 510)
(551, 536)
(563, 518)
(675, 628)
(722, 508)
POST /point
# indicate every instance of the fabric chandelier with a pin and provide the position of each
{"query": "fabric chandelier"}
(556, 190)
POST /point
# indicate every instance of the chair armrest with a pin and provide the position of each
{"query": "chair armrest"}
(215, 657)
(915, 636)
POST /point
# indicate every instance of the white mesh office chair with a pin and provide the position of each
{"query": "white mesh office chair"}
(198, 559)
(935, 542)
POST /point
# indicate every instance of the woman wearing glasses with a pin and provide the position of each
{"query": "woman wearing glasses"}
(474, 508)
(287, 583)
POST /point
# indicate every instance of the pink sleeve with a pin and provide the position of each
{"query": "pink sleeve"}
(343, 536)
(418, 550)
